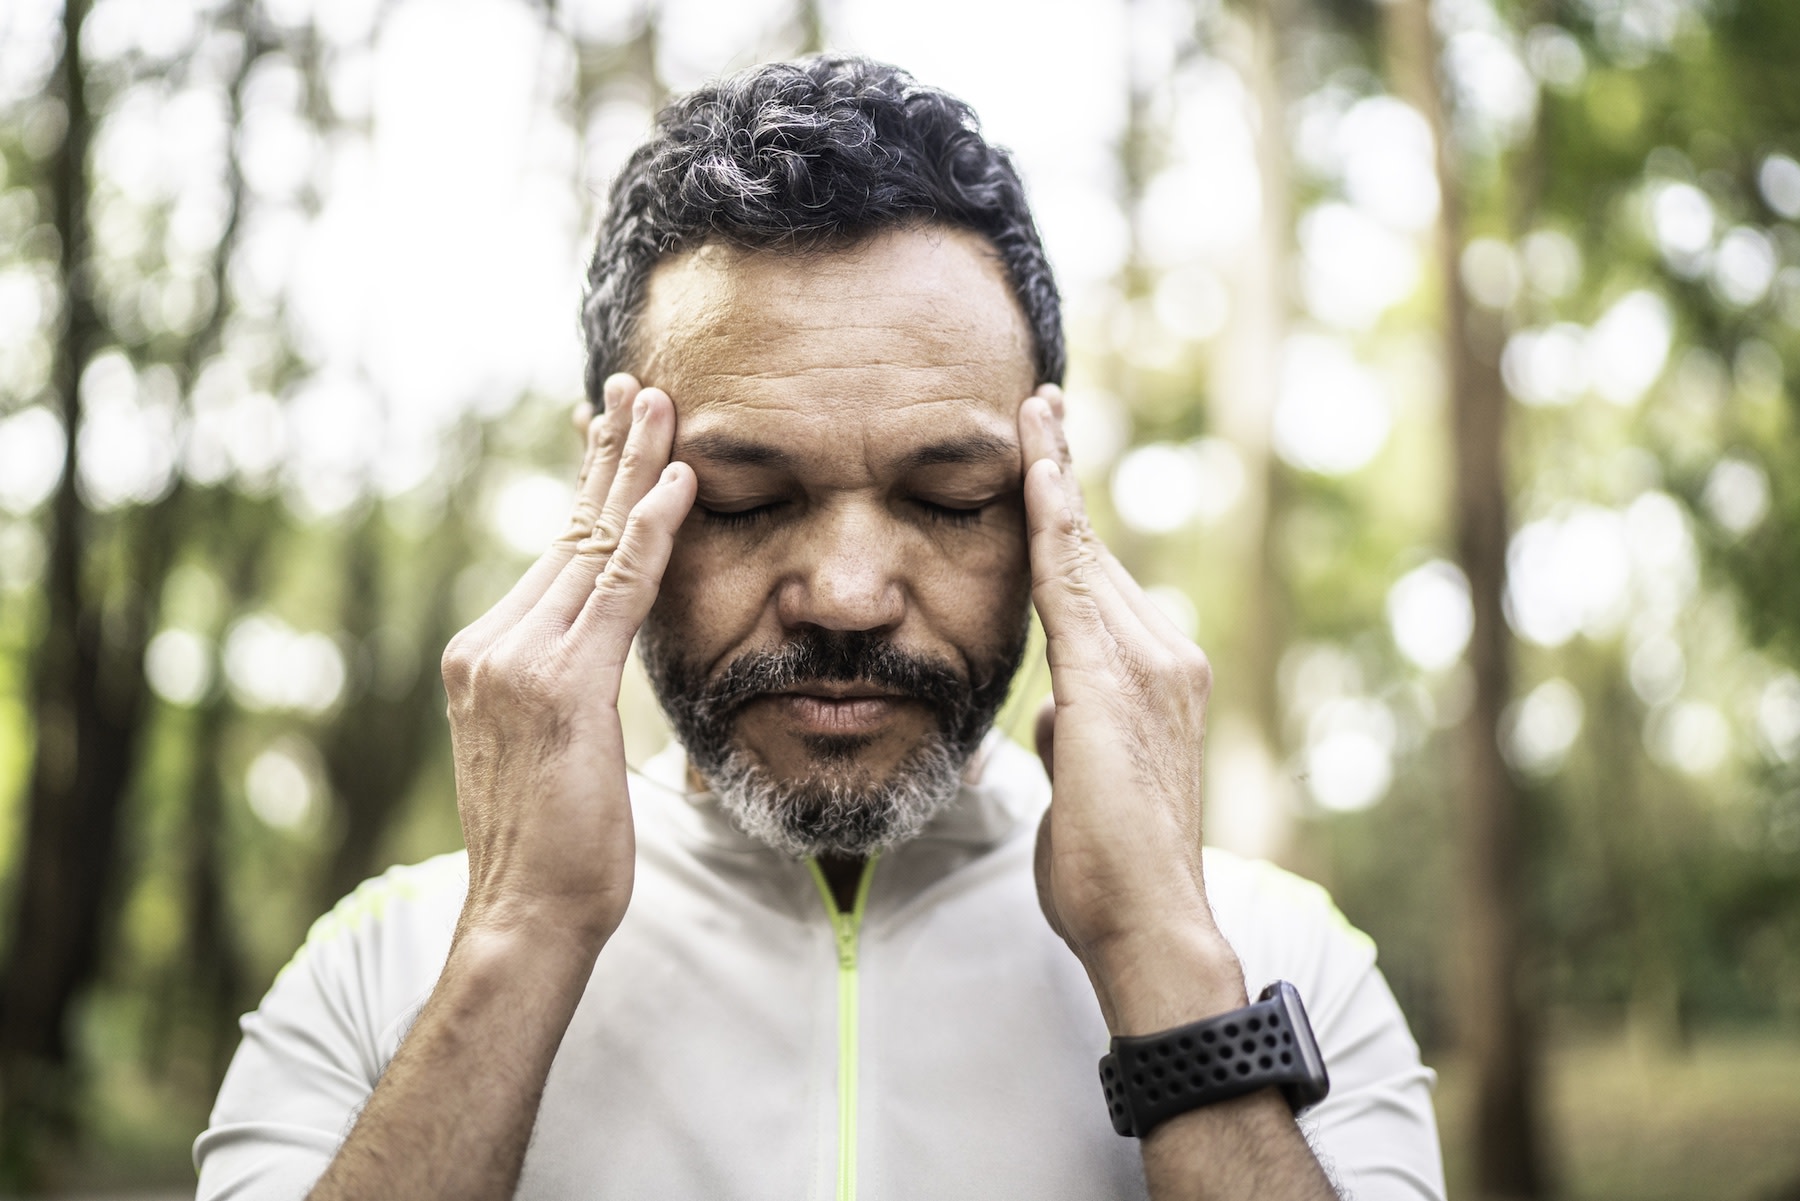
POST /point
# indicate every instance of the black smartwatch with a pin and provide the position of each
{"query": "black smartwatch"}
(1150, 1078)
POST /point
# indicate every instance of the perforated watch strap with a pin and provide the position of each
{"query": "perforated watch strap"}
(1149, 1079)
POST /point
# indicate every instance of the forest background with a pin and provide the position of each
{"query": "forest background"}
(1434, 364)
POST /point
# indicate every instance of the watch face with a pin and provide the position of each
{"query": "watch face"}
(1315, 1083)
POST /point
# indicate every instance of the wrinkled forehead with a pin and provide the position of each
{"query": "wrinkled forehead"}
(905, 327)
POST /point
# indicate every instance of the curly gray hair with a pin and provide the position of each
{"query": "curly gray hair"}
(803, 155)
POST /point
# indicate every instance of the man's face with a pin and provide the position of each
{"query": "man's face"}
(848, 599)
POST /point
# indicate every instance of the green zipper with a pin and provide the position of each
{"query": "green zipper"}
(846, 927)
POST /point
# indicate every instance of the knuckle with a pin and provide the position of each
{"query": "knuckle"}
(515, 679)
(582, 519)
(1190, 673)
(623, 571)
(481, 676)
(601, 541)
(457, 663)
(605, 446)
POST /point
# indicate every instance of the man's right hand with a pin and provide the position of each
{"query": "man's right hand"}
(534, 689)
(540, 781)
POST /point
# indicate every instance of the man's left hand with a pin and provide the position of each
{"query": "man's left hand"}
(1118, 856)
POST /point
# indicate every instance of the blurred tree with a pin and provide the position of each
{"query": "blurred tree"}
(1242, 390)
(91, 700)
(1499, 1016)
(380, 738)
(1606, 838)
(88, 699)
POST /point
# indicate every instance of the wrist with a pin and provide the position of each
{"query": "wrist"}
(554, 921)
(533, 951)
(1165, 976)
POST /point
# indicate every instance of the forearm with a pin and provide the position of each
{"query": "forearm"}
(1249, 1147)
(452, 1114)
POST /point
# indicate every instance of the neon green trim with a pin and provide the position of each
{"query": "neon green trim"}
(370, 900)
(846, 927)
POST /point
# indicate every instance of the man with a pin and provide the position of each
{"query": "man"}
(805, 954)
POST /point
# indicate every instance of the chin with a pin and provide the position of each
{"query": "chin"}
(842, 809)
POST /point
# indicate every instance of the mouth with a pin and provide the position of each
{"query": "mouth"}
(842, 691)
(839, 708)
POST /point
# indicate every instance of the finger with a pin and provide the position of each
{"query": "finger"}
(1063, 570)
(581, 414)
(604, 435)
(638, 466)
(619, 390)
(1048, 440)
(607, 434)
(625, 589)
(1066, 559)
(1041, 433)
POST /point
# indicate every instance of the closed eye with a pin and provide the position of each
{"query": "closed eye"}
(959, 515)
(739, 518)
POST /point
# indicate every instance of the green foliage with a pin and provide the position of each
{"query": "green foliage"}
(1665, 888)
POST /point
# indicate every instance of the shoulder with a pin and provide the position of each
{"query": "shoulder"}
(1255, 890)
(314, 1048)
(1285, 927)
(371, 960)
(411, 904)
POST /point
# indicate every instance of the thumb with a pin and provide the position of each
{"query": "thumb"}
(1046, 735)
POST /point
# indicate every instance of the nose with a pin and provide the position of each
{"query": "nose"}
(845, 576)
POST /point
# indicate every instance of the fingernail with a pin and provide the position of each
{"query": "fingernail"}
(670, 473)
(639, 407)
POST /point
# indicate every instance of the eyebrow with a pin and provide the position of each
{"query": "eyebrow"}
(735, 452)
(741, 452)
(968, 448)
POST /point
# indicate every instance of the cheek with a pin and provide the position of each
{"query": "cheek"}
(974, 589)
(712, 599)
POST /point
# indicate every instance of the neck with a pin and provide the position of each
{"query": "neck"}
(842, 875)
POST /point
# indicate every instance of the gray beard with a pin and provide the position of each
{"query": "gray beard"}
(838, 810)
(850, 818)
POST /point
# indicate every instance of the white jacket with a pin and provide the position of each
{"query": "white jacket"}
(739, 1038)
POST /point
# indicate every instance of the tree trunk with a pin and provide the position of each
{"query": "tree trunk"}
(378, 743)
(85, 713)
(89, 695)
(1495, 1003)
(1255, 817)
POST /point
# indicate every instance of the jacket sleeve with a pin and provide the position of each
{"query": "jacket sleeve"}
(1376, 1133)
(313, 1051)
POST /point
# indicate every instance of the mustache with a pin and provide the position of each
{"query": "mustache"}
(815, 655)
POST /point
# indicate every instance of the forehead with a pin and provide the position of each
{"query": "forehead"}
(881, 339)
